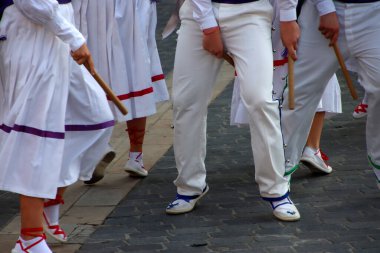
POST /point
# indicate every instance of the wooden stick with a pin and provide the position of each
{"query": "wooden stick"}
(291, 82)
(350, 86)
(109, 92)
(228, 59)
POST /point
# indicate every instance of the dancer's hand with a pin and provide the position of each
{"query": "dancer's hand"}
(329, 27)
(290, 33)
(83, 56)
(212, 41)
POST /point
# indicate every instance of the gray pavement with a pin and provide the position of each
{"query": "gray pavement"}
(8, 207)
(340, 212)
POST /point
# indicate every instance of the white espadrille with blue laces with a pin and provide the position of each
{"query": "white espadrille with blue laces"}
(184, 204)
(285, 210)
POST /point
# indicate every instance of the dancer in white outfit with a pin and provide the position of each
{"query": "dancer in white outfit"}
(359, 32)
(121, 37)
(330, 104)
(245, 26)
(54, 120)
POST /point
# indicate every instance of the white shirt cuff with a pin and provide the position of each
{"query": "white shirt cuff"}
(208, 22)
(325, 7)
(288, 15)
(76, 43)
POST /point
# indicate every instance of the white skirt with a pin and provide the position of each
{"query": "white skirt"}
(331, 102)
(37, 128)
(121, 37)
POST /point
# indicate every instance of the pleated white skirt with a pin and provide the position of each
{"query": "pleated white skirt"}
(37, 125)
(121, 37)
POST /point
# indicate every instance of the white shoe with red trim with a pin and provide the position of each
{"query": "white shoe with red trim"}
(51, 219)
(315, 160)
(360, 111)
(35, 245)
(135, 166)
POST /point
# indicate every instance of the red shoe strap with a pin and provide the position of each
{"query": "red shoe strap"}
(361, 108)
(33, 231)
(57, 230)
(324, 156)
(57, 201)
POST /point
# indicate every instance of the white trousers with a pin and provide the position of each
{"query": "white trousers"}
(359, 37)
(246, 32)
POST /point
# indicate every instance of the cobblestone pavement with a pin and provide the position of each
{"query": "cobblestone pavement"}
(340, 212)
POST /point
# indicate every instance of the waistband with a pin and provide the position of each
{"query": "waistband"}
(357, 1)
(233, 1)
(5, 3)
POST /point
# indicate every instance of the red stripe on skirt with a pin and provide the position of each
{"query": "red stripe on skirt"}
(135, 94)
(278, 63)
(158, 78)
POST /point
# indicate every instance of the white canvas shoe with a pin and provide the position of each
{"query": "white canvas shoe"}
(35, 245)
(135, 166)
(185, 204)
(285, 210)
(54, 230)
(51, 219)
(315, 160)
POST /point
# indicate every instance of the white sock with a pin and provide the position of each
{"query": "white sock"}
(52, 214)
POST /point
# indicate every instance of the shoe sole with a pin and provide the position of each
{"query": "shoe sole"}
(310, 164)
(358, 116)
(190, 209)
(100, 169)
(134, 173)
(282, 218)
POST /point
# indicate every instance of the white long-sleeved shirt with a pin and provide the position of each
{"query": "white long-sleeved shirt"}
(45, 12)
(324, 6)
(203, 13)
